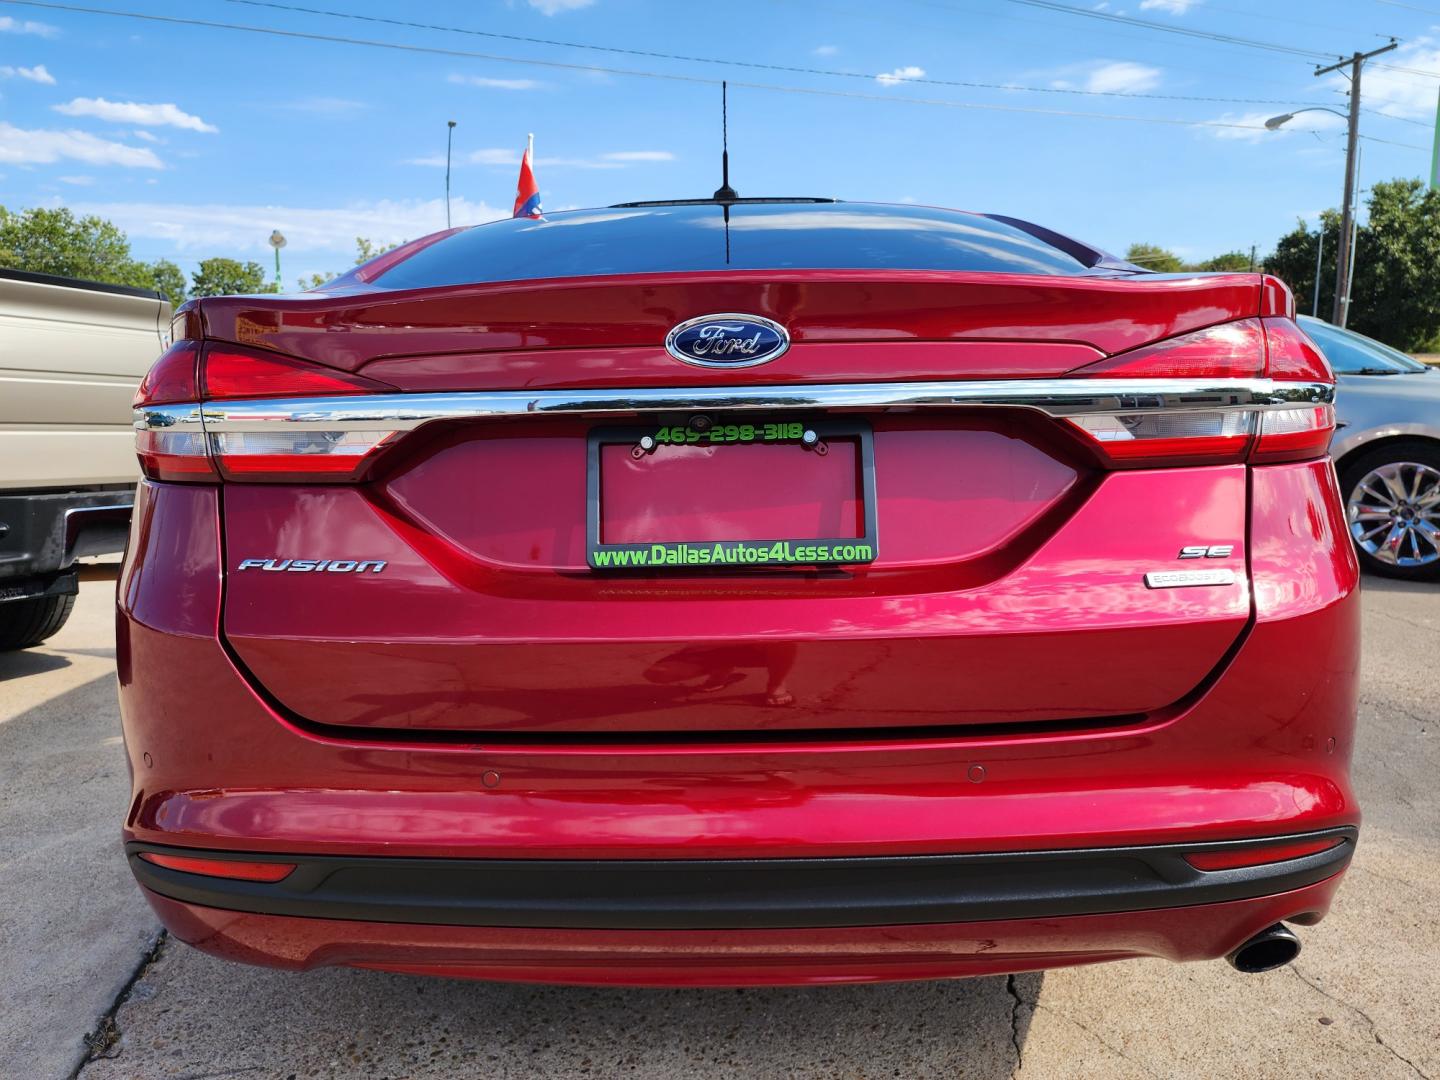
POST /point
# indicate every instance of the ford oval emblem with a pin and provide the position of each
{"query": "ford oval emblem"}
(727, 341)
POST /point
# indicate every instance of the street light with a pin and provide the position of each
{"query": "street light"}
(277, 241)
(1275, 123)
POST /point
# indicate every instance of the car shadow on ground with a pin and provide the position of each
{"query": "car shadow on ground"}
(15, 665)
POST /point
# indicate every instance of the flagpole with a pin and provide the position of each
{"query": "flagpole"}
(530, 148)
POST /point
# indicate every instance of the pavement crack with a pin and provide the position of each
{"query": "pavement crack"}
(1015, 1002)
(1370, 1023)
(1117, 1051)
(102, 1042)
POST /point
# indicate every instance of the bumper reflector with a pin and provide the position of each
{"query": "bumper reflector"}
(221, 868)
(1260, 854)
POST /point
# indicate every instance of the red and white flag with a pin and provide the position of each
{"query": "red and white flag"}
(527, 192)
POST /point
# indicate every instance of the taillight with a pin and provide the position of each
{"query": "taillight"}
(1229, 351)
(1251, 349)
(172, 378)
(1305, 431)
(171, 441)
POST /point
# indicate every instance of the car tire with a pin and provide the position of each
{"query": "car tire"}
(1414, 466)
(24, 623)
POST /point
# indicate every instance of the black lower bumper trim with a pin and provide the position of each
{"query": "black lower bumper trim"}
(718, 894)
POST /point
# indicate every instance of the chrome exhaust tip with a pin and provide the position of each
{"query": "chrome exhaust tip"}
(1272, 948)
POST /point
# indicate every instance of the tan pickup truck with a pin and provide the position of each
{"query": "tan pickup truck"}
(71, 355)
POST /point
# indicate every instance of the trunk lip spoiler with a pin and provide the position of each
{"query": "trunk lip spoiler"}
(1057, 398)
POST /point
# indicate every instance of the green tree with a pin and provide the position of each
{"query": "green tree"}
(1152, 257)
(1293, 262)
(1231, 262)
(54, 241)
(1395, 296)
(365, 250)
(226, 277)
(167, 279)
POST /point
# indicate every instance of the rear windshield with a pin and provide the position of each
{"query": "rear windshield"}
(758, 236)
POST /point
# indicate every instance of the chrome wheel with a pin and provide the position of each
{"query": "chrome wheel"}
(1394, 514)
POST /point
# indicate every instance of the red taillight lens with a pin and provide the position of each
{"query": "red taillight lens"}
(236, 869)
(173, 377)
(218, 373)
(233, 374)
(1260, 854)
(1230, 351)
(1293, 357)
(174, 456)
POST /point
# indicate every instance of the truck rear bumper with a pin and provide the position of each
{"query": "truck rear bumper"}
(43, 532)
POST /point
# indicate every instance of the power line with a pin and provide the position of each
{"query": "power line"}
(1392, 142)
(1207, 35)
(1183, 31)
(670, 76)
(752, 64)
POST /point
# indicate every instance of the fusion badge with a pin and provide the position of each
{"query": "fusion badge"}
(729, 340)
(305, 566)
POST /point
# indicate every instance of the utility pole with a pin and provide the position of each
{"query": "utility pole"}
(1435, 154)
(1341, 310)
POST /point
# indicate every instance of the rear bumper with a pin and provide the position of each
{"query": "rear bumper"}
(737, 894)
(752, 957)
(43, 533)
(1261, 750)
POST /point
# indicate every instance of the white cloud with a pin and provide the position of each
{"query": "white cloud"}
(1122, 77)
(1173, 7)
(133, 112)
(147, 136)
(495, 84)
(21, 146)
(1101, 77)
(826, 50)
(504, 157)
(555, 7)
(26, 26)
(1399, 93)
(34, 74)
(900, 75)
(243, 230)
(77, 181)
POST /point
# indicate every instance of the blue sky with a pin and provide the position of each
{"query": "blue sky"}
(199, 141)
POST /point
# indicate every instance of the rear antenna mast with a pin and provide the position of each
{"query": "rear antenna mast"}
(725, 193)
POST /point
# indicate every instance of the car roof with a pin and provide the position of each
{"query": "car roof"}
(683, 235)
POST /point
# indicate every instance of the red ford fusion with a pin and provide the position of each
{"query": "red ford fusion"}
(738, 592)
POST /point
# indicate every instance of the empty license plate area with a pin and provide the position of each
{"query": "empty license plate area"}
(731, 493)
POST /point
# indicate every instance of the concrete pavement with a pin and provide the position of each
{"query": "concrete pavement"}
(80, 952)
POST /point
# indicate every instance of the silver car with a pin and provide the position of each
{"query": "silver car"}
(1387, 451)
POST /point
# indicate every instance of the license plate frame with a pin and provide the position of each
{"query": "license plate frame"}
(730, 555)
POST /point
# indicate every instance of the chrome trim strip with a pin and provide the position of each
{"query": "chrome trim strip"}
(1055, 397)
